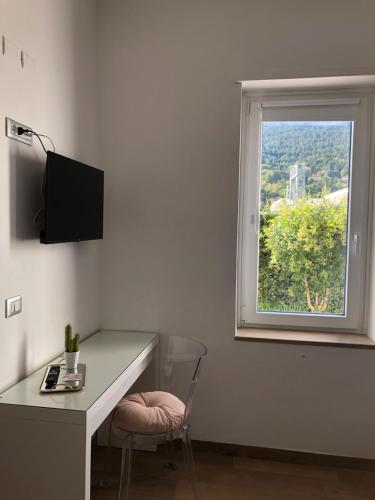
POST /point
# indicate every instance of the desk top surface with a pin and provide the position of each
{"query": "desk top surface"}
(107, 355)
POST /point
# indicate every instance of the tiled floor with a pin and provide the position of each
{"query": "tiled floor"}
(225, 477)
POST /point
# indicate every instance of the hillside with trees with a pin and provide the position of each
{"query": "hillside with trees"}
(325, 149)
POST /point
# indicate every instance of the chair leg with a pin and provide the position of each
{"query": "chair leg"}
(126, 463)
(169, 447)
(189, 462)
(105, 481)
(130, 464)
(184, 453)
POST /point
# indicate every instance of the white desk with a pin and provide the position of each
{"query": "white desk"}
(45, 439)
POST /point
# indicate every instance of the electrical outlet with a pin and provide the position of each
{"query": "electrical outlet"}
(11, 131)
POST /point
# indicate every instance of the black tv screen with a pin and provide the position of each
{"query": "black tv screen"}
(73, 201)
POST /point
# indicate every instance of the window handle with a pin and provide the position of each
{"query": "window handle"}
(254, 220)
(356, 244)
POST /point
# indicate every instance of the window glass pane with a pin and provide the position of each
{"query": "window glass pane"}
(302, 246)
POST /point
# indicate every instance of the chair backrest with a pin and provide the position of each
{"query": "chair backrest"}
(179, 368)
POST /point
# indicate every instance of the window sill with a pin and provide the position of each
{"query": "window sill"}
(352, 340)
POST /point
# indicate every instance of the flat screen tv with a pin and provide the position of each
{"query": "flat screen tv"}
(72, 201)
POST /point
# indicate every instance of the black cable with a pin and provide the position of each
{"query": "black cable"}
(22, 131)
(49, 138)
(40, 140)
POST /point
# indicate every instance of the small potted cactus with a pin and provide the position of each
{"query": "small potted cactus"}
(71, 348)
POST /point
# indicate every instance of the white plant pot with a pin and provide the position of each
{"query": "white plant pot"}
(71, 360)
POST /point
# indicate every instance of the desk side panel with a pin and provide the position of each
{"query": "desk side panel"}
(41, 459)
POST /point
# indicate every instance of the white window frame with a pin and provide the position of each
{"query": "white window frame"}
(329, 105)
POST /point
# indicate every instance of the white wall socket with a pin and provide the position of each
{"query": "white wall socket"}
(13, 306)
(11, 131)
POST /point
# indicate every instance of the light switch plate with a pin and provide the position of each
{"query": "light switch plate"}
(11, 131)
(13, 306)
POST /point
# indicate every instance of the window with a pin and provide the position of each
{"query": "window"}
(304, 210)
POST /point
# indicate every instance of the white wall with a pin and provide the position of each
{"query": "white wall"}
(54, 94)
(169, 114)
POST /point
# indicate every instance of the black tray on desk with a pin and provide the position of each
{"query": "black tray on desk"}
(60, 385)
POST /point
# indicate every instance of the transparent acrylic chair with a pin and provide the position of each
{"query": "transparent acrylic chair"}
(180, 361)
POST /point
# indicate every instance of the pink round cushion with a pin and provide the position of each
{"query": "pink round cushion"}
(149, 412)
